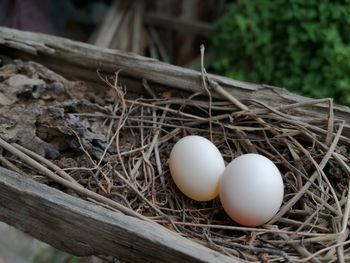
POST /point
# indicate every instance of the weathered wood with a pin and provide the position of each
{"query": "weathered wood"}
(83, 228)
(110, 25)
(137, 26)
(76, 60)
(183, 25)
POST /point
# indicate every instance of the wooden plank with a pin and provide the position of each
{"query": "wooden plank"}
(179, 24)
(110, 25)
(137, 27)
(167, 8)
(71, 57)
(123, 37)
(83, 228)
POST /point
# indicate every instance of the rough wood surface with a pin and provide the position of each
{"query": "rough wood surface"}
(83, 228)
(79, 61)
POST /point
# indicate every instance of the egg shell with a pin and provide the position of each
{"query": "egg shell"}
(196, 166)
(251, 189)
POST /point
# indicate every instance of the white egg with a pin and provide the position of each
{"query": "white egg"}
(196, 166)
(251, 189)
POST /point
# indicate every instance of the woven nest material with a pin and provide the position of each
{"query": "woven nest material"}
(117, 145)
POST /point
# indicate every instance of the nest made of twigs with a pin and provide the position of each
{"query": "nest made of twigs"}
(117, 147)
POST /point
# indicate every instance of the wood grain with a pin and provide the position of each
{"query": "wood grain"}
(83, 228)
(79, 61)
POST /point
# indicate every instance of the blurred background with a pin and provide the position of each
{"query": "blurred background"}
(303, 46)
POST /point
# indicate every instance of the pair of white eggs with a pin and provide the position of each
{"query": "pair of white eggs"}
(250, 187)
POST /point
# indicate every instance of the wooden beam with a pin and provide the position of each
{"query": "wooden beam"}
(105, 33)
(79, 61)
(178, 24)
(137, 26)
(83, 228)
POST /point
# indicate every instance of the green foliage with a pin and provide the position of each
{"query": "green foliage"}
(300, 45)
(52, 255)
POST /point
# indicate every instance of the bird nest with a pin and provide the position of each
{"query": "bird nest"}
(112, 147)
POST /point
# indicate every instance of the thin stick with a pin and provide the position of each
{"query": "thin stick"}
(11, 166)
(151, 147)
(322, 251)
(202, 49)
(344, 231)
(306, 186)
(43, 160)
(251, 229)
(330, 123)
(226, 94)
(301, 250)
(74, 186)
